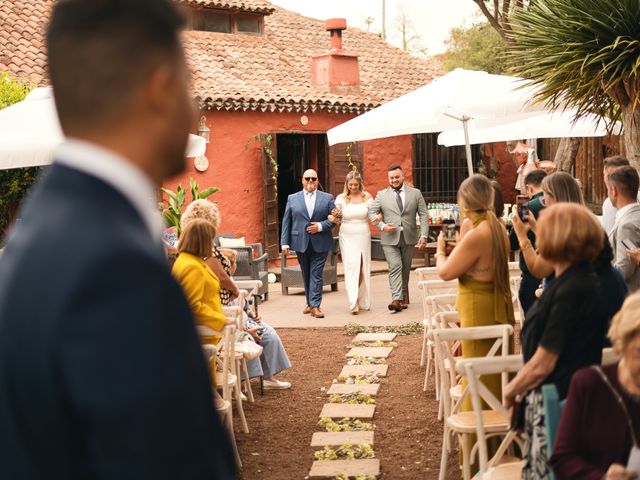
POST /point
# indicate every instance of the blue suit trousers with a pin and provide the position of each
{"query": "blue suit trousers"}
(312, 265)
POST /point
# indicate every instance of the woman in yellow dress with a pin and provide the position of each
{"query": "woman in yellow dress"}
(480, 263)
(200, 285)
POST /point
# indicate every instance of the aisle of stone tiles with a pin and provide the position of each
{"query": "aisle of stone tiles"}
(369, 467)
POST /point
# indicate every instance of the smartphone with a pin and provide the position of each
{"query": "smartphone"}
(522, 201)
(628, 244)
(450, 232)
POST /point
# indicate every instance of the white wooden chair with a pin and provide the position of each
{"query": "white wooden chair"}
(514, 283)
(237, 312)
(437, 304)
(457, 422)
(473, 369)
(427, 273)
(429, 288)
(222, 378)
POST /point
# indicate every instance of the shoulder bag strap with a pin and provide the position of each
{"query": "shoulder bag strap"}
(620, 400)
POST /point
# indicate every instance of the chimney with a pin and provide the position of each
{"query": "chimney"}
(336, 70)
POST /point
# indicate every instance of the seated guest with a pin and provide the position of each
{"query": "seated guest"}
(622, 189)
(601, 418)
(564, 329)
(613, 288)
(200, 285)
(274, 358)
(529, 283)
(218, 263)
(608, 210)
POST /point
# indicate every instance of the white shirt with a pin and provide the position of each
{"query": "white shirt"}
(608, 215)
(117, 172)
(310, 201)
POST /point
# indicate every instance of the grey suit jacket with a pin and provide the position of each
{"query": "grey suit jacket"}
(386, 203)
(626, 227)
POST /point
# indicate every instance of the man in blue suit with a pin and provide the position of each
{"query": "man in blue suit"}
(101, 371)
(306, 230)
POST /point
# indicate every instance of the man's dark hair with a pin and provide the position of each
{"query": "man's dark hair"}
(615, 161)
(626, 180)
(394, 166)
(100, 51)
(535, 177)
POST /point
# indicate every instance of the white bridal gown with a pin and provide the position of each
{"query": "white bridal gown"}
(355, 250)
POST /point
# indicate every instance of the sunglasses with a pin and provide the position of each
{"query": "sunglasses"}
(311, 179)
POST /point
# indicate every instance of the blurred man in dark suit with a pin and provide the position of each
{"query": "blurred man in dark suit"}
(101, 371)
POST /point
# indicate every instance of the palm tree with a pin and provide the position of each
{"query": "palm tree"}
(584, 54)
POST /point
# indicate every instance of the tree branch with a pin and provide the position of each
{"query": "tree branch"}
(492, 20)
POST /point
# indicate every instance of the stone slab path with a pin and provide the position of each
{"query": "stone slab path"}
(320, 439)
(348, 370)
(330, 468)
(343, 410)
(372, 352)
(343, 388)
(374, 337)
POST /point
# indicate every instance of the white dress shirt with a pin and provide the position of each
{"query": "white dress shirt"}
(117, 172)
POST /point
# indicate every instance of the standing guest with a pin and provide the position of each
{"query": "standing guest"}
(103, 376)
(480, 263)
(622, 189)
(498, 200)
(307, 230)
(608, 210)
(590, 445)
(564, 330)
(355, 241)
(529, 283)
(399, 205)
(559, 187)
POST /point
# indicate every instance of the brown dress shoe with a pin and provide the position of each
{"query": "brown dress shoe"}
(307, 309)
(315, 312)
(405, 302)
(395, 306)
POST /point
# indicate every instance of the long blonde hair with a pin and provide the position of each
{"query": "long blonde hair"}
(346, 193)
(476, 194)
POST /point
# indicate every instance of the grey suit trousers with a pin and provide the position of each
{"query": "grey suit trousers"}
(399, 259)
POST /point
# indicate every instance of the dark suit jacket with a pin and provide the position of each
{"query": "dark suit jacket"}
(296, 220)
(101, 371)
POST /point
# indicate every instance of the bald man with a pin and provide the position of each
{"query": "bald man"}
(307, 231)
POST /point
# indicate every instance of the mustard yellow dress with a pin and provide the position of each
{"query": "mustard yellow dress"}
(481, 304)
(201, 287)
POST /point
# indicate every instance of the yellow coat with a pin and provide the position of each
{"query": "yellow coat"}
(202, 289)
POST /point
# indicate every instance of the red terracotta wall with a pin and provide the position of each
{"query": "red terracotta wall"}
(235, 162)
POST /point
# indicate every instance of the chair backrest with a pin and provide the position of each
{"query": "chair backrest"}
(474, 369)
(443, 339)
(609, 356)
(514, 283)
(428, 288)
(552, 411)
(427, 273)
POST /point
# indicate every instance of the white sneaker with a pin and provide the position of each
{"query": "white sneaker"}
(275, 385)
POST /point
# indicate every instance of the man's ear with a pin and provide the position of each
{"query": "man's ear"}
(158, 88)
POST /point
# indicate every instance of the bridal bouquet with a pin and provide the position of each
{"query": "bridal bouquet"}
(335, 216)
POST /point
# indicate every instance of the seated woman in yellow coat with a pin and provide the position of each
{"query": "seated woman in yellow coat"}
(199, 283)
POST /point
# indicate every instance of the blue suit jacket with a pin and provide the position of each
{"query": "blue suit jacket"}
(101, 369)
(296, 220)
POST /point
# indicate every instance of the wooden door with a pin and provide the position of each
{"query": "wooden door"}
(339, 166)
(270, 192)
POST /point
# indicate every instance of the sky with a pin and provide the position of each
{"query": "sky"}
(431, 19)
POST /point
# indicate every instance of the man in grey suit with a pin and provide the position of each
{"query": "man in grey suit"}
(622, 188)
(399, 205)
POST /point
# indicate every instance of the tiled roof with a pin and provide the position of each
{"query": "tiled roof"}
(257, 6)
(22, 38)
(245, 72)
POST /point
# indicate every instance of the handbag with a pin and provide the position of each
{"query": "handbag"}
(250, 350)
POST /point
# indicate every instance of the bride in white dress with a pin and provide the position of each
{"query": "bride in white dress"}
(355, 241)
